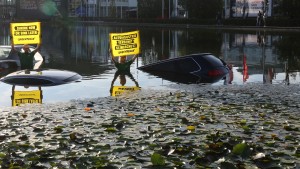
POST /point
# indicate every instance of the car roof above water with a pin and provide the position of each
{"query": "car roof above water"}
(41, 77)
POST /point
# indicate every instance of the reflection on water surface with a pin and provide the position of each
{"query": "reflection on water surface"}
(256, 56)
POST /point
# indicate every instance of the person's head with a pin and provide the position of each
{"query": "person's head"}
(122, 59)
(26, 48)
(122, 80)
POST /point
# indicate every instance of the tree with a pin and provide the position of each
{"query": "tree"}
(113, 10)
(149, 8)
(196, 8)
(288, 51)
(202, 8)
(287, 8)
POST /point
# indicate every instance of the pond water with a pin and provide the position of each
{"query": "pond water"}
(256, 56)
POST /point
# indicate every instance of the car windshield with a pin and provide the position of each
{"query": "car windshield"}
(214, 60)
(209, 60)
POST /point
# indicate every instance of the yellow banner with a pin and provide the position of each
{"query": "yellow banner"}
(24, 97)
(118, 90)
(26, 33)
(123, 44)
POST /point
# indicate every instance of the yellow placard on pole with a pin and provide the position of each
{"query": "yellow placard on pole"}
(26, 33)
(118, 90)
(123, 44)
(24, 97)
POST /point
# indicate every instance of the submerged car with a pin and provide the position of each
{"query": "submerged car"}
(41, 77)
(194, 68)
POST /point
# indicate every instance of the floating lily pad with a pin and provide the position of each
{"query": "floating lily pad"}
(241, 149)
(157, 159)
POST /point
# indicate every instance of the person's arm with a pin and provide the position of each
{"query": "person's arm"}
(134, 57)
(37, 48)
(38, 45)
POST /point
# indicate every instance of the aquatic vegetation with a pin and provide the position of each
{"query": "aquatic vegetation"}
(155, 129)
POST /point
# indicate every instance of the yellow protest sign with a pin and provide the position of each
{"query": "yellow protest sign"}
(24, 97)
(118, 90)
(26, 33)
(123, 44)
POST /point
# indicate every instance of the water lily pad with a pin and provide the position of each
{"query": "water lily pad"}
(228, 165)
(241, 149)
(111, 129)
(158, 160)
(190, 127)
(73, 136)
(58, 129)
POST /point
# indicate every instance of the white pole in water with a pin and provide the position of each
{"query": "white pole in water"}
(81, 9)
(169, 9)
(106, 8)
(162, 8)
(176, 8)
